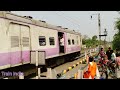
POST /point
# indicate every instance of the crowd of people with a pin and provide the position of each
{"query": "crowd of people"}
(108, 56)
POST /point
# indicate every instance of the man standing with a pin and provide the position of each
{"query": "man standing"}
(101, 53)
(113, 55)
(62, 44)
(108, 53)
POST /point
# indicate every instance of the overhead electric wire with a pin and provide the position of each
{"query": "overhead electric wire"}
(70, 19)
(75, 20)
(67, 19)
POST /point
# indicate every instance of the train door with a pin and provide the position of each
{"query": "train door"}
(15, 48)
(25, 43)
(20, 44)
(61, 42)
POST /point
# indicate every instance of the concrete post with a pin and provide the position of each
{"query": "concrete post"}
(49, 73)
(80, 74)
(54, 74)
(36, 64)
(39, 71)
(21, 76)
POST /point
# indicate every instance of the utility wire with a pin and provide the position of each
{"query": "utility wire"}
(70, 19)
(67, 19)
(75, 20)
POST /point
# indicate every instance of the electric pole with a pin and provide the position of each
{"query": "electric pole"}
(99, 27)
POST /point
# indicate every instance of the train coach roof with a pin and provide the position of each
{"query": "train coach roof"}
(9, 15)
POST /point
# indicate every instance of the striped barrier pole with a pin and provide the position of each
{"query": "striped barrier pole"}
(71, 67)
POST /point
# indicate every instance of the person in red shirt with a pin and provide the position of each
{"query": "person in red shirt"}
(106, 59)
(101, 53)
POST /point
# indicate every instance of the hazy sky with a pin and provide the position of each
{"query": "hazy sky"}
(77, 20)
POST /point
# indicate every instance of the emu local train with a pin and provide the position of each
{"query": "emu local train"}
(21, 35)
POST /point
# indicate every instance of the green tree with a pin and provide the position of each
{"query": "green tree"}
(94, 38)
(116, 41)
(90, 42)
(117, 24)
(116, 38)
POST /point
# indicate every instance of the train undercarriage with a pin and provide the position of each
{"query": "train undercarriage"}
(56, 61)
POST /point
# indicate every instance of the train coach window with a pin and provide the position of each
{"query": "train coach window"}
(25, 41)
(42, 40)
(73, 41)
(14, 41)
(69, 42)
(52, 41)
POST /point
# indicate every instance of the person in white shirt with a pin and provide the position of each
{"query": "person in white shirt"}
(62, 44)
(113, 56)
(62, 41)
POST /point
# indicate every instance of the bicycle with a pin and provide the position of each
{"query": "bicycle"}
(111, 67)
(102, 67)
(107, 69)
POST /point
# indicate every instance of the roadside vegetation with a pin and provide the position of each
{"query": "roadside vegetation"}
(116, 38)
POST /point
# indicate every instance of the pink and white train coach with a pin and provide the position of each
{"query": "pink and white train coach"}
(20, 36)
